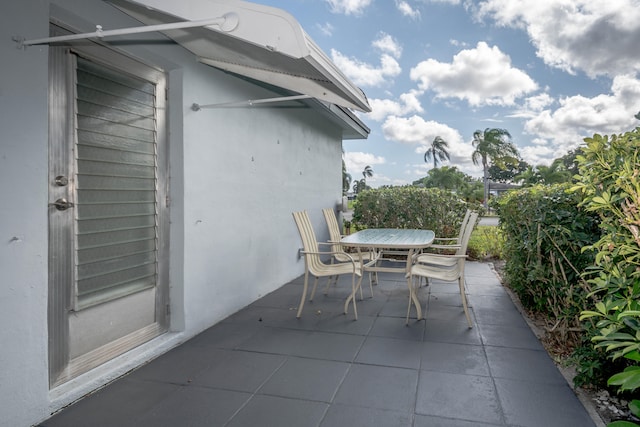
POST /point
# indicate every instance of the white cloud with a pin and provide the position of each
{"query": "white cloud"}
(407, 104)
(454, 42)
(578, 117)
(482, 76)
(364, 74)
(406, 9)
(596, 36)
(387, 44)
(348, 7)
(416, 131)
(326, 29)
(356, 161)
(585, 116)
(533, 106)
(541, 152)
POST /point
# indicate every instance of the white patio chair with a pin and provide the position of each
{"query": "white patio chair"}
(448, 244)
(444, 267)
(340, 255)
(316, 267)
(452, 242)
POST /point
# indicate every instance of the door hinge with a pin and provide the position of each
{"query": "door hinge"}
(168, 309)
(167, 201)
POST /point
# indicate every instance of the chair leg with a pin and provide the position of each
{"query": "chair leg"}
(313, 291)
(352, 296)
(410, 285)
(329, 279)
(353, 292)
(463, 295)
(304, 294)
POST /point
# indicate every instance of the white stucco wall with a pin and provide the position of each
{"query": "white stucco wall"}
(23, 216)
(248, 169)
(236, 176)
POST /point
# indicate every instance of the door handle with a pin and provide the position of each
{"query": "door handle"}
(62, 204)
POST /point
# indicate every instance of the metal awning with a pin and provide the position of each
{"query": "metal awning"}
(267, 45)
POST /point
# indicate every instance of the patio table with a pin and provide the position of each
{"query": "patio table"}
(380, 239)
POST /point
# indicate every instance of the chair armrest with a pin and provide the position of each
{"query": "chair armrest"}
(424, 255)
(452, 246)
(329, 253)
(445, 238)
(439, 259)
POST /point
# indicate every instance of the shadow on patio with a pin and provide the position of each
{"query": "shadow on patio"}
(263, 367)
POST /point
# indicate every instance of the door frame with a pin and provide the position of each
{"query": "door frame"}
(61, 270)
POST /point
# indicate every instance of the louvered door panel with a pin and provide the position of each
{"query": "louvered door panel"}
(116, 180)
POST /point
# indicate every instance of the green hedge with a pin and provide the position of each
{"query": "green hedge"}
(610, 184)
(410, 207)
(544, 233)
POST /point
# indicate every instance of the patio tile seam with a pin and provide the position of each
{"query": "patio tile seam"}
(379, 365)
(291, 355)
(537, 348)
(456, 372)
(316, 330)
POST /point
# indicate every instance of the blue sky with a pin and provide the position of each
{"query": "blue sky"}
(551, 72)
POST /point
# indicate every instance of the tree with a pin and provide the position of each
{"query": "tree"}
(554, 174)
(472, 191)
(570, 163)
(359, 186)
(449, 177)
(508, 173)
(437, 151)
(367, 173)
(445, 177)
(346, 179)
(492, 146)
(528, 177)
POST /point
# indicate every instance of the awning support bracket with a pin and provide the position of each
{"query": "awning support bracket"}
(250, 102)
(226, 23)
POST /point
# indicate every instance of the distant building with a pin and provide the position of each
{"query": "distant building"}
(497, 188)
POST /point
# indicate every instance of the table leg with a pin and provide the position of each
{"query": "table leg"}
(412, 288)
(352, 297)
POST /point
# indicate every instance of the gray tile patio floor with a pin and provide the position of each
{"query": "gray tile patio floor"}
(263, 367)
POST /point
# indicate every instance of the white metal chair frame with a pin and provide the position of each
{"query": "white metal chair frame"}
(340, 255)
(445, 267)
(316, 267)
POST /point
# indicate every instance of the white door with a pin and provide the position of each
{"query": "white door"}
(107, 211)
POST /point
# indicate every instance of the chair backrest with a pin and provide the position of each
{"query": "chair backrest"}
(466, 234)
(463, 225)
(334, 228)
(309, 241)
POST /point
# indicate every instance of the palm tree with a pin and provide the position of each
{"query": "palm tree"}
(495, 146)
(528, 177)
(437, 151)
(367, 172)
(554, 174)
(346, 179)
(359, 186)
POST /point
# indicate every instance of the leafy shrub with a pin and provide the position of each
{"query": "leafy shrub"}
(544, 233)
(410, 207)
(610, 184)
(486, 243)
